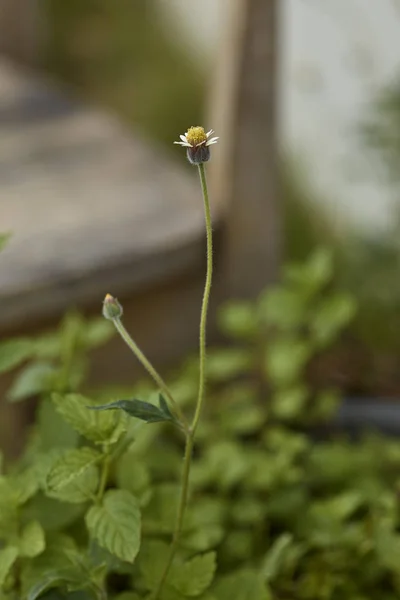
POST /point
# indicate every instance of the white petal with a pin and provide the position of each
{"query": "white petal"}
(210, 132)
(213, 140)
(183, 138)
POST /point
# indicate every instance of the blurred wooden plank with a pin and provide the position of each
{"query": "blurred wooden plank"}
(20, 30)
(93, 209)
(244, 173)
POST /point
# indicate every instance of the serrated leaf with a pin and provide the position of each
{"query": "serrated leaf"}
(195, 576)
(116, 524)
(136, 408)
(14, 352)
(8, 556)
(32, 541)
(81, 489)
(31, 381)
(152, 559)
(71, 467)
(97, 426)
(241, 585)
(78, 489)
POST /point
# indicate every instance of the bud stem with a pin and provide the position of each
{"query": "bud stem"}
(151, 371)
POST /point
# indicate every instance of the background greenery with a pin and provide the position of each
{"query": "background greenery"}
(274, 511)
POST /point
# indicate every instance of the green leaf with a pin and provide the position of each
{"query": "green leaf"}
(14, 352)
(326, 404)
(285, 360)
(275, 558)
(4, 237)
(195, 576)
(138, 409)
(334, 313)
(238, 320)
(71, 467)
(314, 274)
(227, 363)
(160, 513)
(33, 380)
(53, 430)
(151, 562)
(97, 426)
(115, 524)
(241, 585)
(60, 564)
(50, 580)
(284, 308)
(8, 556)
(290, 403)
(132, 475)
(163, 404)
(32, 541)
(74, 477)
(97, 332)
(22, 486)
(127, 596)
(53, 514)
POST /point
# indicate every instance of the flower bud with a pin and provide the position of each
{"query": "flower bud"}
(197, 143)
(198, 154)
(112, 309)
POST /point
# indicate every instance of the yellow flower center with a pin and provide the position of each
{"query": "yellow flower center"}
(196, 136)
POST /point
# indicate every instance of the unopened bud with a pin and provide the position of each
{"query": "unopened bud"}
(112, 309)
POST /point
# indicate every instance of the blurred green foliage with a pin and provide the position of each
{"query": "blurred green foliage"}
(118, 54)
(273, 513)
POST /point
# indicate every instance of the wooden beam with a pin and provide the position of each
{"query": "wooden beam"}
(19, 30)
(244, 172)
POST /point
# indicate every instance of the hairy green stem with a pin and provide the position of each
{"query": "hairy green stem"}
(151, 370)
(181, 512)
(200, 399)
(206, 298)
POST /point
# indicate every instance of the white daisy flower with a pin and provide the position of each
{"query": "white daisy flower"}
(197, 143)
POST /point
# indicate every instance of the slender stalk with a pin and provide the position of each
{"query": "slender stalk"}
(200, 399)
(151, 370)
(181, 512)
(206, 298)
